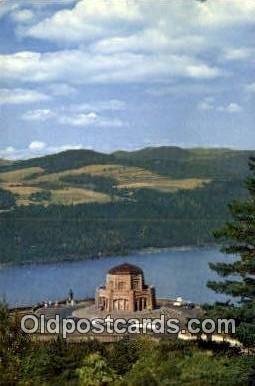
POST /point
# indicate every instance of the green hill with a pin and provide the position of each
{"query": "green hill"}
(69, 159)
(189, 163)
(81, 203)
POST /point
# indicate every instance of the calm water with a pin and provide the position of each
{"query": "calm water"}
(173, 272)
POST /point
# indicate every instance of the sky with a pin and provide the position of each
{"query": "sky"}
(125, 74)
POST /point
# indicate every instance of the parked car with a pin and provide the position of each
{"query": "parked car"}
(178, 302)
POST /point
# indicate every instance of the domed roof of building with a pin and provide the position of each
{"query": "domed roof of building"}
(125, 269)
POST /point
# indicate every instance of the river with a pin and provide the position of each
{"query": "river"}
(174, 272)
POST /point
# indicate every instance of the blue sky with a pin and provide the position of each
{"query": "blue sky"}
(125, 74)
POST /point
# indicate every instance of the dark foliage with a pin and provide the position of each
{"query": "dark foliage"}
(7, 199)
(148, 219)
(43, 195)
(238, 238)
(97, 183)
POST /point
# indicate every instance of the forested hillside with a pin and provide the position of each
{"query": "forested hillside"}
(80, 204)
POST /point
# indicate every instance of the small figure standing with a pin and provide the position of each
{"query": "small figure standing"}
(70, 296)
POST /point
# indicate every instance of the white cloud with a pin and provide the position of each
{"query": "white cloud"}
(139, 39)
(89, 119)
(208, 104)
(9, 153)
(61, 89)
(231, 108)
(150, 40)
(111, 123)
(238, 53)
(250, 87)
(90, 19)
(15, 6)
(82, 67)
(57, 149)
(86, 20)
(23, 16)
(98, 106)
(37, 146)
(215, 14)
(34, 150)
(46, 3)
(10, 149)
(79, 119)
(122, 41)
(78, 115)
(20, 96)
(7, 7)
(166, 45)
(38, 115)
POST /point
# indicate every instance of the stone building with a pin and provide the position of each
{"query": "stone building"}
(125, 290)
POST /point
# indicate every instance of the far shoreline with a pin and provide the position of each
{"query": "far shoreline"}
(142, 251)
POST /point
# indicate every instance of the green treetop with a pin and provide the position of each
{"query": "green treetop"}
(238, 239)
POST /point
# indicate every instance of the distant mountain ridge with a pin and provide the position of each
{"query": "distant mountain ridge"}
(218, 160)
(82, 176)
(82, 203)
(191, 163)
(60, 161)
